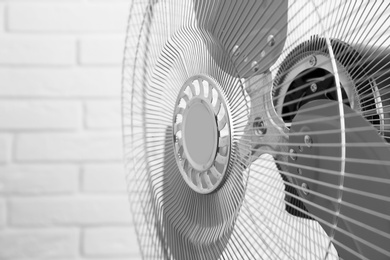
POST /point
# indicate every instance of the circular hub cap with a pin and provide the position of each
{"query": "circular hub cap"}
(201, 134)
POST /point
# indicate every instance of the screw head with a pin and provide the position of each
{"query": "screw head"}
(305, 188)
(236, 50)
(255, 66)
(313, 61)
(313, 87)
(259, 127)
(271, 40)
(293, 154)
(308, 141)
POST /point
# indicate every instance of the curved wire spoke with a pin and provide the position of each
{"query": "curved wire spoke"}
(295, 125)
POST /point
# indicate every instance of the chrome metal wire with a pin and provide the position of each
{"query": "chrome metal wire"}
(170, 41)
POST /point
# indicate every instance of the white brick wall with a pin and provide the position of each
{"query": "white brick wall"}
(5, 147)
(62, 183)
(3, 217)
(2, 14)
(79, 147)
(103, 114)
(118, 239)
(68, 17)
(69, 210)
(99, 178)
(101, 50)
(54, 82)
(40, 114)
(39, 244)
(38, 179)
(37, 50)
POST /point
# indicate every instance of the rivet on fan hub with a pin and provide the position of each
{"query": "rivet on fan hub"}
(308, 140)
(202, 134)
(305, 189)
(313, 87)
(293, 154)
(271, 40)
(313, 61)
(259, 127)
(236, 50)
(255, 66)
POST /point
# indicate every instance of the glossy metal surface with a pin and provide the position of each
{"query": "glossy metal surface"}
(202, 134)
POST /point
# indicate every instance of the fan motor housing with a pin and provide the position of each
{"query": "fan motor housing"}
(362, 73)
(323, 152)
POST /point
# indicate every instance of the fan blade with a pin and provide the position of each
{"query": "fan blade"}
(255, 39)
(254, 66)
(352, 206)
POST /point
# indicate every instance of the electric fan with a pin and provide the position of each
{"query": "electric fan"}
(258, 129)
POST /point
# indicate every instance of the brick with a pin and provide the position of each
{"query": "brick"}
(20, 1)
(102, 50)
(3, 214)
(39, 243)
(37, 50)
(86, 146)
(58, 82)
(104, 178)
(2, 17)
(138, 257)
(112, 241)
(5, 148)
(72, 17)
(38, 179)
(40, 114)
(133, 257)
(107, 1)
(103, 114)
(69, 210)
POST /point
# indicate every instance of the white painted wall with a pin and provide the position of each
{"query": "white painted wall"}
(62, 186)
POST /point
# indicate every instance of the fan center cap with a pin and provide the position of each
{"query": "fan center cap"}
(200, 134)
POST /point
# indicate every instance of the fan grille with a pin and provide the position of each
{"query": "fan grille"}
(249, 195)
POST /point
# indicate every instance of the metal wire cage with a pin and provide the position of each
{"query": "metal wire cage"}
(258, 129)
